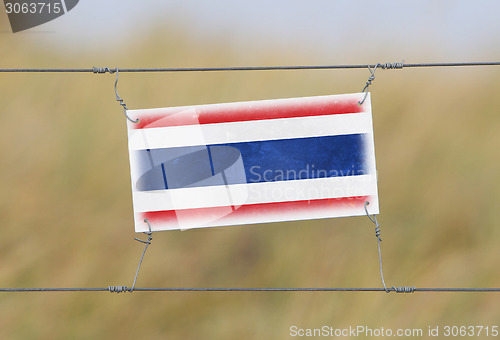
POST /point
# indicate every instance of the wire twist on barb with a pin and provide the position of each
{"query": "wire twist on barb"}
(404, 289)
(102, 70)
(392, 66)
(117, 289)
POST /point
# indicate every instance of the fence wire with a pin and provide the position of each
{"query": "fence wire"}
(397, 65)
(124, 289)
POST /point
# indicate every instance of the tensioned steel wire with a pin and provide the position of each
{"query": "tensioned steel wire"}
(397, 65)
(122, 289)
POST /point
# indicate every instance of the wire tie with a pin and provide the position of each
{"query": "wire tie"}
(117, 289)
(122, 289)
(404, 289)
(377, 235)
(118, 99)
(392, 66)
(371, 78)
(102, 70)
(147, 243)
(368, 83)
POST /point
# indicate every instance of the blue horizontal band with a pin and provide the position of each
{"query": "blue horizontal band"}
(253, 162)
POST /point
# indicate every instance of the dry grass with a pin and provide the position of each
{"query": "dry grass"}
(65, 206)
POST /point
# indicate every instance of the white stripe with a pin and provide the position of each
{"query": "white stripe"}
(253, 193)
(234, 132)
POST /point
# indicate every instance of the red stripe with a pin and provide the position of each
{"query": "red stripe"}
(240, 112)
(169, 217)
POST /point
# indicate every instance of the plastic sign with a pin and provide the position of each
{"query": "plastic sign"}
(252, 162)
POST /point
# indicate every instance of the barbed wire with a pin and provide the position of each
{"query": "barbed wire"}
(398, 65)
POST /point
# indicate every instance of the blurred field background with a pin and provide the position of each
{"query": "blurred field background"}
(66, 210)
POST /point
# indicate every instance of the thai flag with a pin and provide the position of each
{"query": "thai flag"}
(252, 162)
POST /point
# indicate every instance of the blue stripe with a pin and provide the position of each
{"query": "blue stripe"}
(303, 158)
(263, 161)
